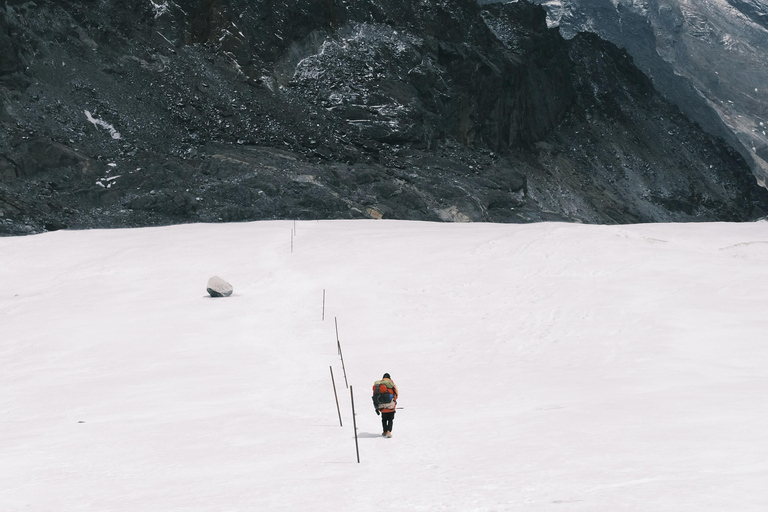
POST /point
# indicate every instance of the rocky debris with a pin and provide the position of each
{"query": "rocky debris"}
(169, 112)
(218, 287)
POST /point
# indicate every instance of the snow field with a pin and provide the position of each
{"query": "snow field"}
(541, 367)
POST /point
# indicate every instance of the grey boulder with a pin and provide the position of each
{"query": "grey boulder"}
(217, 287)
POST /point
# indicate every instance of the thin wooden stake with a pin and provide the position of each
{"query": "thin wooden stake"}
(354, 423)
(338, 343)
(341, 355)
(343, 369)
(336, 396)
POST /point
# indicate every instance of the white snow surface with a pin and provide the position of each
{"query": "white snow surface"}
(540, 367)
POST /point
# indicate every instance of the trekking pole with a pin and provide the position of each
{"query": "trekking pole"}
(354, 423)
(336, 396)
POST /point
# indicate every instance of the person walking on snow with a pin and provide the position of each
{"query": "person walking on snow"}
(385, 402)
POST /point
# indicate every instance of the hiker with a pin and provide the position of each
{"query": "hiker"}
(385, 401)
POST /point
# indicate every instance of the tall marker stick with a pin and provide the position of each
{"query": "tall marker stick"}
(343, 369)
(341, 355)
(338, 343)
(354, 423)
(336, 396)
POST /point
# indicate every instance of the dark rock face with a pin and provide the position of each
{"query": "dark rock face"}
(708, 58)
(132, 114)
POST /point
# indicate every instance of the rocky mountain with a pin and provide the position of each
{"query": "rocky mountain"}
(117, 113)
(709, 58)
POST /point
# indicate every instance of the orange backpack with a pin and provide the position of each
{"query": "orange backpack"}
(383, 394)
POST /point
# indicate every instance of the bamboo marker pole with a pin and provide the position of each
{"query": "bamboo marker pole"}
(338, 343)
(354, 423)
(341, 355)
(343, 369)
(336, 396)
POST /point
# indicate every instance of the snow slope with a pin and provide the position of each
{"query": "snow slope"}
(541, 367)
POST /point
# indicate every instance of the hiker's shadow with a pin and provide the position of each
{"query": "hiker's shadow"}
(368, 434)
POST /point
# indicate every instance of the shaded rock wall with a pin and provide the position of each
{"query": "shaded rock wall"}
(708, 58)
(131, 114)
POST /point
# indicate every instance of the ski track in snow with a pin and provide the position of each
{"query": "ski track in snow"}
(543, 366)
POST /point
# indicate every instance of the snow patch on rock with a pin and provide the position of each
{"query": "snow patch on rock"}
(99, 123)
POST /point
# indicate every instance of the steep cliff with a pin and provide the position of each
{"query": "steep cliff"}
(708, 58)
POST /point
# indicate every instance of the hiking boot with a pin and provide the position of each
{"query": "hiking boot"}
(387, 434)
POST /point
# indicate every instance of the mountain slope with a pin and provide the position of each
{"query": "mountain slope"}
(166, 112)
(709, 58)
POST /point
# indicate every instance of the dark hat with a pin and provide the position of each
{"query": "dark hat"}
(386, 376)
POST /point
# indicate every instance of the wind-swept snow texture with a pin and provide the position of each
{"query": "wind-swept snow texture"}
(540, 367)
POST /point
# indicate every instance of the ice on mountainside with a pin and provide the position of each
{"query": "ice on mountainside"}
(159, 8)
(102, 124)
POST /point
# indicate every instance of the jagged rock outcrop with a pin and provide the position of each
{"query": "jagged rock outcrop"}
(227, 110)
(709, 58)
